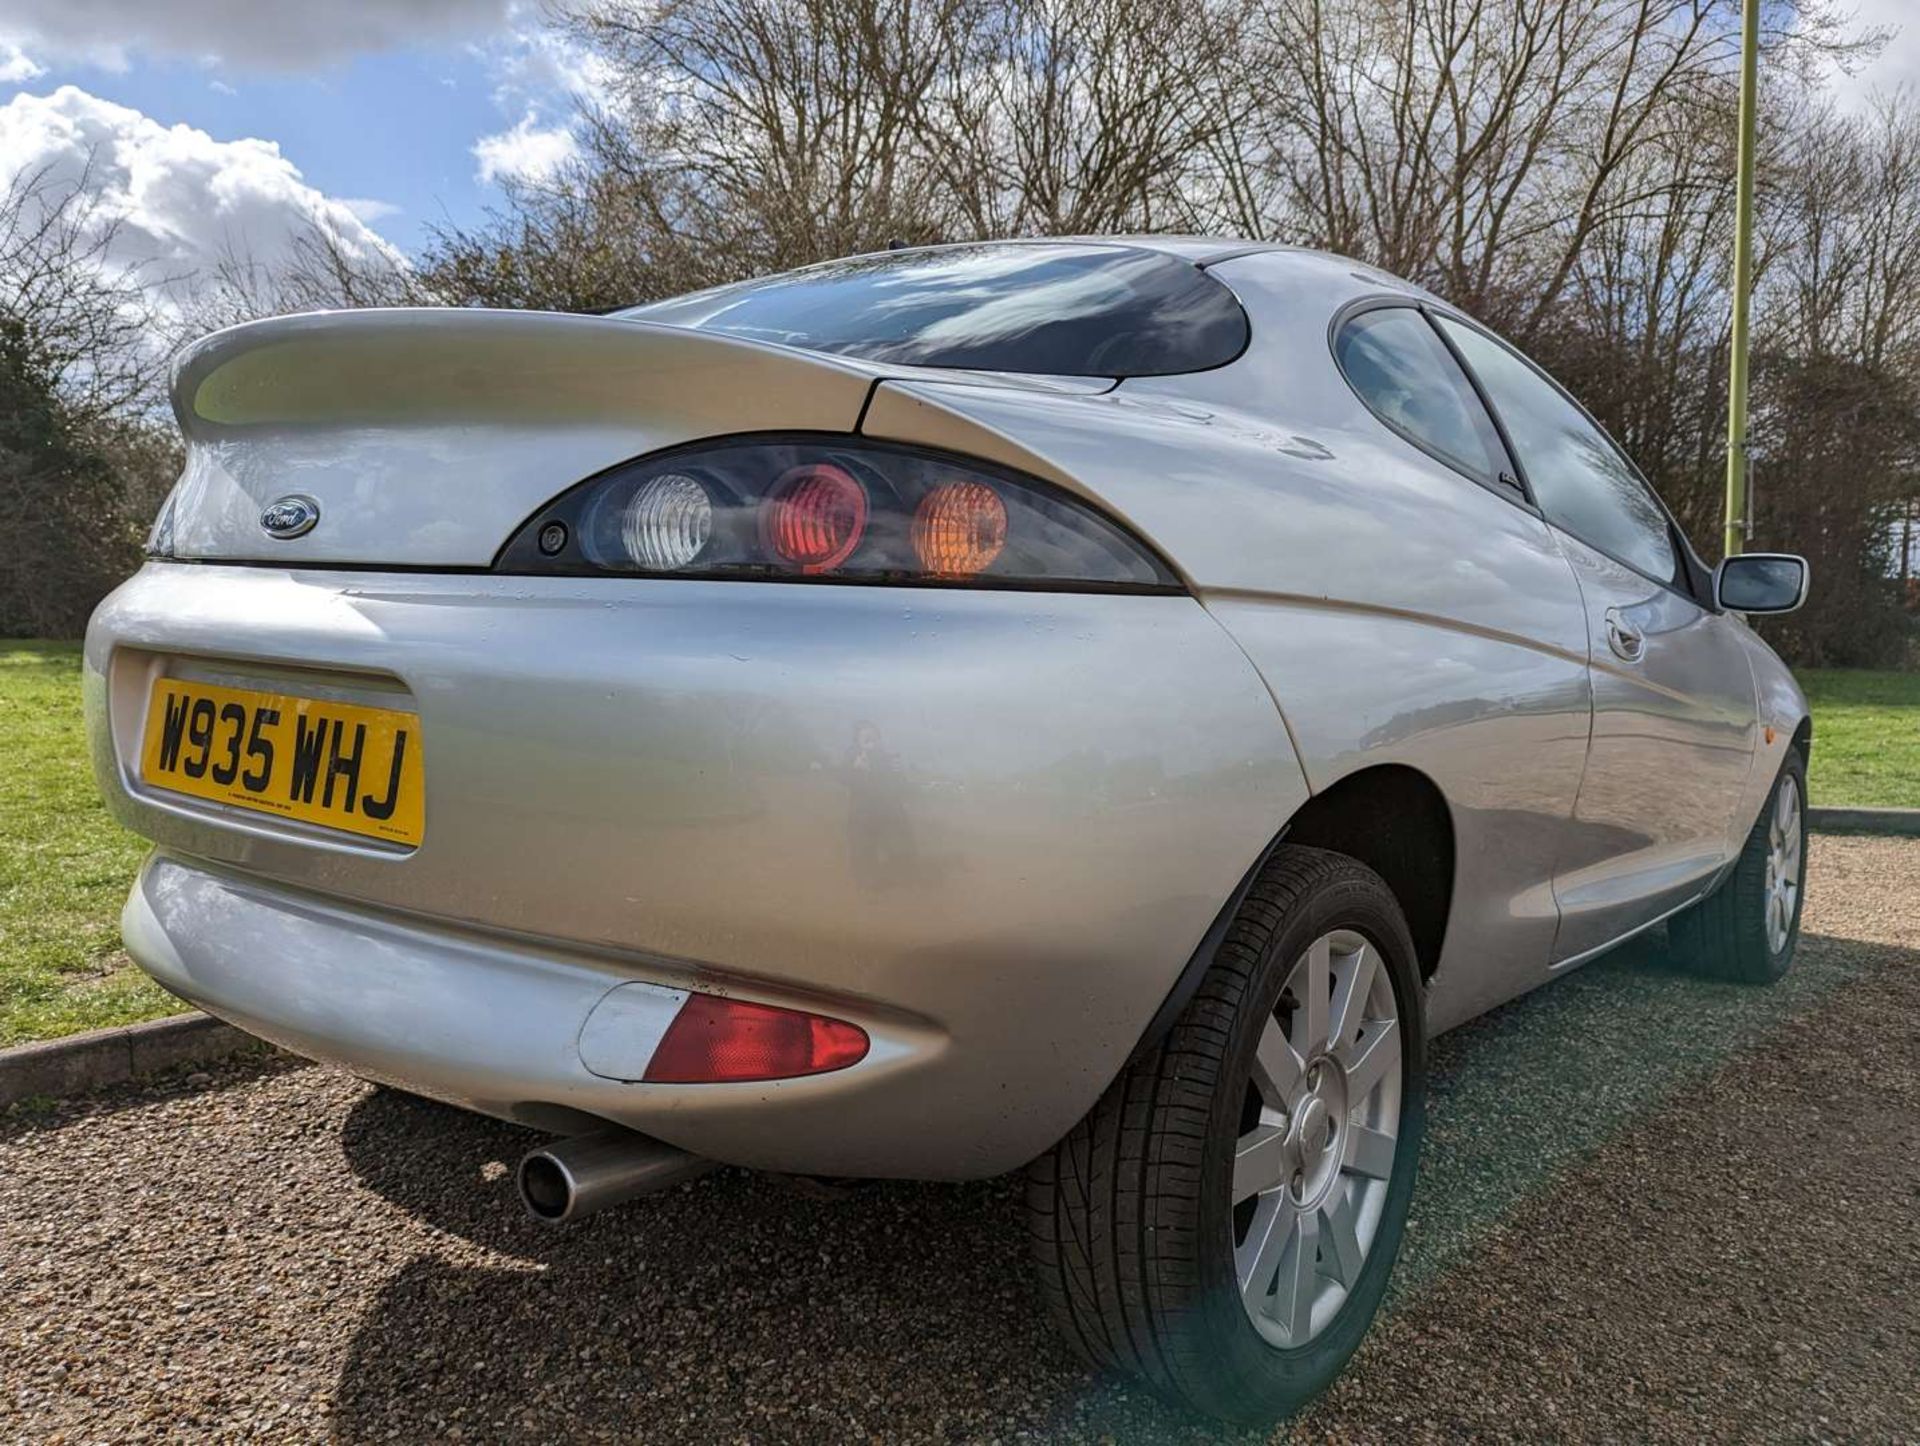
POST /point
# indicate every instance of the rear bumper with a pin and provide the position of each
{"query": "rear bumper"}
(540, 1035)
(990, 828)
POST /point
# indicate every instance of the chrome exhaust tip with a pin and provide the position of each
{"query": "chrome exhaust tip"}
(572, 1178)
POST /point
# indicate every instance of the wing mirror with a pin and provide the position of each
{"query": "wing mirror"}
(1761, 582)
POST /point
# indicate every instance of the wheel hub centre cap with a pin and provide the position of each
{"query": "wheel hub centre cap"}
(1317, 1113)
(1316, 1127)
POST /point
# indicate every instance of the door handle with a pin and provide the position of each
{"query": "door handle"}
(1629, 644)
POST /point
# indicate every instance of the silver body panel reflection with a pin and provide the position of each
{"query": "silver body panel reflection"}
(991, 827)
(989, 820)
(1673, 744)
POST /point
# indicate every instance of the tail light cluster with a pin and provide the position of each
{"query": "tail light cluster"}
(811, 508)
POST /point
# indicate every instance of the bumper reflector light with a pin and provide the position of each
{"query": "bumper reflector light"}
(714, 1040)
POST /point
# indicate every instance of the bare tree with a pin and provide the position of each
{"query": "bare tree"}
(317, 272)
(756, 134)
(1837, 408)
(1480, 145)
(1059, 117)
(81, 320)
(80, 461)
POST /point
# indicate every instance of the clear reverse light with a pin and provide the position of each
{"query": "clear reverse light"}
(668, 522)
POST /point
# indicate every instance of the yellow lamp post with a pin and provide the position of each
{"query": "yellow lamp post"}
(1738, 522)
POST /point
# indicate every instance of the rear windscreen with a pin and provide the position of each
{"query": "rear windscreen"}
(1062, 308)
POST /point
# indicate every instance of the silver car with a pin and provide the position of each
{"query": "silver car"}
(1096, 706)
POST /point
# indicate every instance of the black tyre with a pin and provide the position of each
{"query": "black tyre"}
(1223, 1223)
(1746, 930)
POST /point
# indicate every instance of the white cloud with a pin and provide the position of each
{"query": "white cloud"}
(535, 65)
(16, 66)
(1897, 64)
(370, 210)
(537, 72)
(527, 152)
(186, 204)
(283, 36)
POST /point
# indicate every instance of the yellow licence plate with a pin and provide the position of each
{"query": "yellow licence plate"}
(334, 764)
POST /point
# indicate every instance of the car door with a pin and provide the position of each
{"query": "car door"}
(1673, 695)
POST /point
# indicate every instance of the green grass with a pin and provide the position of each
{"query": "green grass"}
(1866, 737)
(65, 866)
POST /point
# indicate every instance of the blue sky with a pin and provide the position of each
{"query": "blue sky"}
(231, 124)
(396, 129)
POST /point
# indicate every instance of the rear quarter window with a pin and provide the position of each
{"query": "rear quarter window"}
(1058, 308)
(1398, 365)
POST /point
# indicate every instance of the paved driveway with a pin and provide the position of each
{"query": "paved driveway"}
(1653, 1209)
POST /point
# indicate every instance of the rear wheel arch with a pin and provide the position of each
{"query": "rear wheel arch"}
(1392, 818)
(1395, 820)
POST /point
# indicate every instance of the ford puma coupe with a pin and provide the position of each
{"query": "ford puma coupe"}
(1097, 706)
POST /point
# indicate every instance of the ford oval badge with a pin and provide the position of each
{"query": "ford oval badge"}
(292, 516)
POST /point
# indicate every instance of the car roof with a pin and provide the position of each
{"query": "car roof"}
(1205, 251)
(1200, 250)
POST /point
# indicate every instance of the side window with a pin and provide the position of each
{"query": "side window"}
(1408, 378)
(1578, 476)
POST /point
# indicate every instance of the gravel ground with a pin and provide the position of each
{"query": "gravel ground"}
(1652, 1209)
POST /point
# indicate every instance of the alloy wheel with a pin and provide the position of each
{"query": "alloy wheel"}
(1318, 1139)
(1784, 837)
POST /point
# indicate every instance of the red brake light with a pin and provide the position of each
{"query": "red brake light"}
(815, 516)
(712, 1040)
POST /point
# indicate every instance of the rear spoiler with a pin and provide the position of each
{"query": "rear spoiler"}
(421, 365)
(423, 437)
